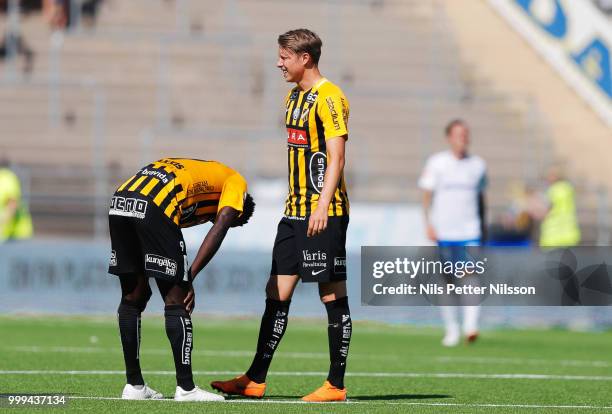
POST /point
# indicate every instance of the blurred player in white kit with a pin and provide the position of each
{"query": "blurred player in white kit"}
(453, 184)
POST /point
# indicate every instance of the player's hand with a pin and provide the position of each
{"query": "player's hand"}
(431, 233)
(190, 299)
(317, 222)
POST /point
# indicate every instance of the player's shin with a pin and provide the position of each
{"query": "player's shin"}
(128, 316)
(180, 334)
(339, 332)
(271, 331)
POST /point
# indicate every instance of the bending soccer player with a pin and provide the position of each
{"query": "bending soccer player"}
(146, 216)
(310, 241)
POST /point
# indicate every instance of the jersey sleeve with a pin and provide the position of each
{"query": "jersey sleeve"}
(333, 111)
(483, 183)
(232, 195)
(427, 181)
(484, 179)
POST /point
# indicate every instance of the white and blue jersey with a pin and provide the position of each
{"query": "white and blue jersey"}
(455, 184)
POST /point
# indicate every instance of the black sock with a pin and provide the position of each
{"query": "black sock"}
(271, 331)
(180, 334)
(339, 333)
(128, 316)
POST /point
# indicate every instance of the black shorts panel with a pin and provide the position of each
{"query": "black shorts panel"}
(285, 261)
(145, 241)
(321, 258)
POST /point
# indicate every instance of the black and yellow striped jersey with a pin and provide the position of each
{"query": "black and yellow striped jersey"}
(312, 117)
(188, 191)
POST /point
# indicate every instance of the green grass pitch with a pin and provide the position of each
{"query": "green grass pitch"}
(392, 368)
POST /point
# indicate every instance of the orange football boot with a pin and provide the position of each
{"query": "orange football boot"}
(326, 393)
(240, 385)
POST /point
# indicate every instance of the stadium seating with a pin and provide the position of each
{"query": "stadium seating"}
(197, 78)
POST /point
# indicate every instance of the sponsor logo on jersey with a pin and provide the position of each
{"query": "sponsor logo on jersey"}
(113, 258)
(333, 112)
(155, 173)
(160, 264)
(339, 264)
(175, 164)
(294, 95)
(297, 138)
(345, 111)
(128, 207)
(305, 113)
(318, 163)
(296, 113)
(311, 97)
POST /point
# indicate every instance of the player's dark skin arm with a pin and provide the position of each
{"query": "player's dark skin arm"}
(482, 213)
(209, 247)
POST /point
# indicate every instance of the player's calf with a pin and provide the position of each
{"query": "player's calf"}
(339, 331)
(180, 334)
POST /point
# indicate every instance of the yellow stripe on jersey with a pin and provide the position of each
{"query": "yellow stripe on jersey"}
(147, 188)
(338, 206)
(291, 181)
(163, 193)
(137, 183)
(125, 183)
(302, 180)
(171, 207)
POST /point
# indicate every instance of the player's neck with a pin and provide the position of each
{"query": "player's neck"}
(309, 79)
(459, 154)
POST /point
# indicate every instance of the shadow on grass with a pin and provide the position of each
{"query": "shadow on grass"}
(397, 397)
(351, 397)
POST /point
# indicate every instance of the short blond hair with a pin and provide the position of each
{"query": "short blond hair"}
(302, 41)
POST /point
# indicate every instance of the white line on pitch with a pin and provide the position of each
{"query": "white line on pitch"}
(205, 352)
(523, 361)
(432, 404)
(350, 374)
(316, 355)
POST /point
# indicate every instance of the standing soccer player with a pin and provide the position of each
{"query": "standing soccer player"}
(310, 240)
(453, 184)
(145, 219)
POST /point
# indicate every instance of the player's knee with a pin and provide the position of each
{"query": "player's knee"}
(328, 298)
(272, 290)
(175, 297)
(138, 298)
(329, 292)
(130, 302)
(176, 310)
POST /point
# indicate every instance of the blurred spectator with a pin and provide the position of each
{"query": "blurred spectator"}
(559, 227)
(15, 221)
(515, 225)
(60, 12)
(13, 45)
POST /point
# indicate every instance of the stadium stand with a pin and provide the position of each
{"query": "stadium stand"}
(197, 78)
